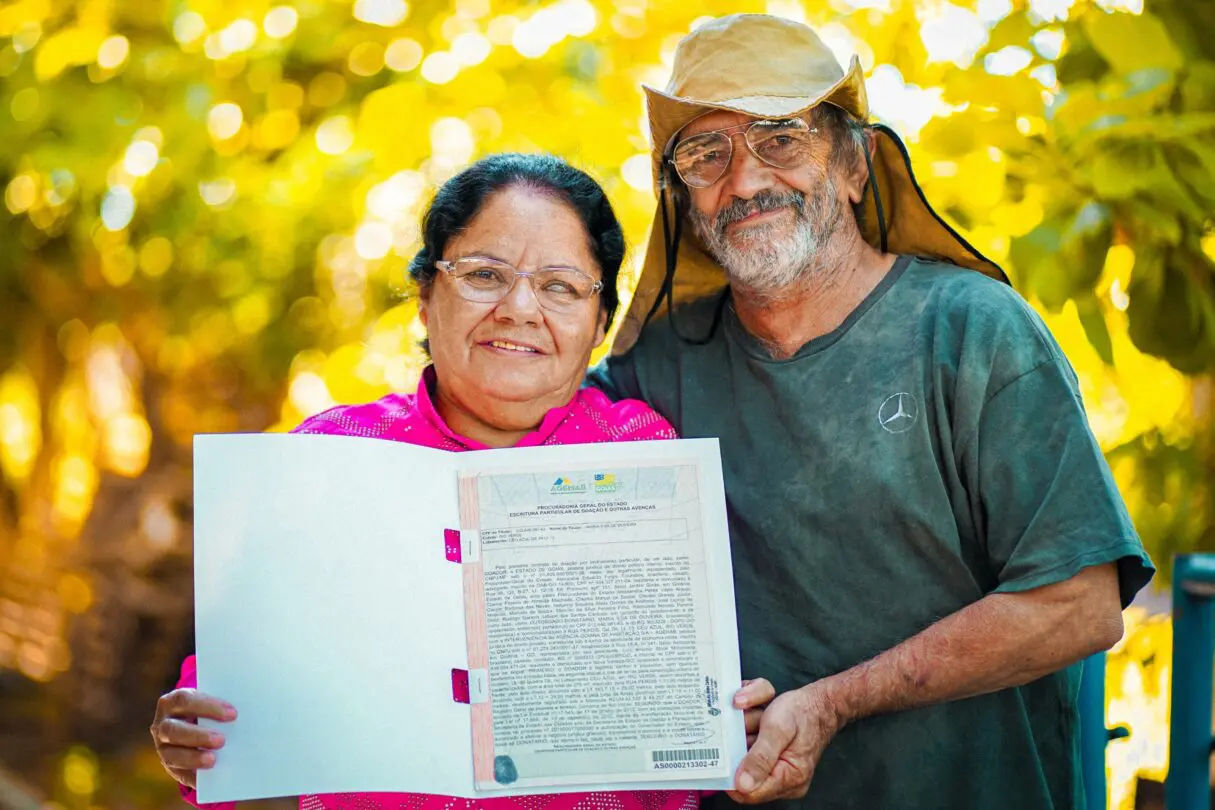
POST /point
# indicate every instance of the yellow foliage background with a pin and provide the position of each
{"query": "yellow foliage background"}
(209, 207)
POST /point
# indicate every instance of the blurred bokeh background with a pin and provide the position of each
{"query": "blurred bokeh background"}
(208, 207)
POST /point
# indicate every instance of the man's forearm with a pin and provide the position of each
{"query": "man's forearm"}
(1000, 641)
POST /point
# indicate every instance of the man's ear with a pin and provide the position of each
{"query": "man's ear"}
(423, 303)
(858, 177)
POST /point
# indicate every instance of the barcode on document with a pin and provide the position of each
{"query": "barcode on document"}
(684, 754)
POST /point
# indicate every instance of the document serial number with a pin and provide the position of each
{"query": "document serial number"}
(703, 763)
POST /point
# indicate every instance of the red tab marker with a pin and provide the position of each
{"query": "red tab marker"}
(451, 545)
(459, 684)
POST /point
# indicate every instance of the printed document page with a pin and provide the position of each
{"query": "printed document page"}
(591, 602)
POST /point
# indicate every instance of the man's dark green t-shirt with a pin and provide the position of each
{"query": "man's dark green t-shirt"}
(931, 450)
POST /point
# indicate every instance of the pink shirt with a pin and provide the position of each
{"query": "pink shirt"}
(590, 417)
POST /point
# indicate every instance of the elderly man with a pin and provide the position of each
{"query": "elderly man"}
(926, 537)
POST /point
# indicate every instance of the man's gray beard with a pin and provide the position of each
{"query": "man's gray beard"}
(772, 256)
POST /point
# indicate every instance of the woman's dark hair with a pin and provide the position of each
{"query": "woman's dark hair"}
(461, 198)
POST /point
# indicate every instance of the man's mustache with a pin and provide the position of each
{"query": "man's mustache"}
(762, 202)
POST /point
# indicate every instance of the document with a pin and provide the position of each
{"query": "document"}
(395, 618)
(597, 626)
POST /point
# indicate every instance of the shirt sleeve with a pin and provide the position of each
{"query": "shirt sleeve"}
(1042, 489)
(189, 680)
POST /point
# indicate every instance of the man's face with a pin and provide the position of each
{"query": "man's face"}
(765, 225)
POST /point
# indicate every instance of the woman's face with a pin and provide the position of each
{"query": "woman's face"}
(489, 355)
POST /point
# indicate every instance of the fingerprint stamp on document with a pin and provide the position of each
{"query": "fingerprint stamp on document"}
(505, 772)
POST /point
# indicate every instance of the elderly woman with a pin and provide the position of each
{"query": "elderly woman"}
(517, 280)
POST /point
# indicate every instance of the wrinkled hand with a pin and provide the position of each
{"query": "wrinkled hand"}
(752, 699)
(793, 733)
(183, 745)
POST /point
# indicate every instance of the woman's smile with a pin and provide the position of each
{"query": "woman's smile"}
(511, 348)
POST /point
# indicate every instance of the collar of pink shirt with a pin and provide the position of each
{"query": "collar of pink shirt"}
(589, 417)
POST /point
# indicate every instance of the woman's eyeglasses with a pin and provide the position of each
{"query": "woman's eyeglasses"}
(700, 160)
(488, 281)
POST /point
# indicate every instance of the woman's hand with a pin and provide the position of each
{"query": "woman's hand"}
(752, 699)
(182, 744)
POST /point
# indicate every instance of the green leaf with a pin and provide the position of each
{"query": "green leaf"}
(950, 135)
(1015, 29)
(1167, 317)
(1020, 92)
(1194, 169)
(1076, 108)
(1152, 224)
(1092, 318)
(1085, 244)
(1080, 64)
(1062, 258)
(1131, 42)
(1149, 80)
(1035, 258)
(1198, 88)
(1123, 168)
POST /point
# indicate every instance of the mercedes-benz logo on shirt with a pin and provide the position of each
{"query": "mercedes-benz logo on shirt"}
(898, 413)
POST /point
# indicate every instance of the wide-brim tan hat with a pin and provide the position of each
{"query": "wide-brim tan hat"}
(769, 67)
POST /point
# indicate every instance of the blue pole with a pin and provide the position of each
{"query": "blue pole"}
(1188, 784)
(1093, 735)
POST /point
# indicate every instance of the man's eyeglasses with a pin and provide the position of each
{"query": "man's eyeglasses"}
(488, 281)
(700, 160)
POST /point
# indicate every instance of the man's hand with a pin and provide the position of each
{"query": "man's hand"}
(752, 699)
(793, 733)
(1001, 641)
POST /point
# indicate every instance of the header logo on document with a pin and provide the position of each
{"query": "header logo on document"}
(564, 486)
(606, 482)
